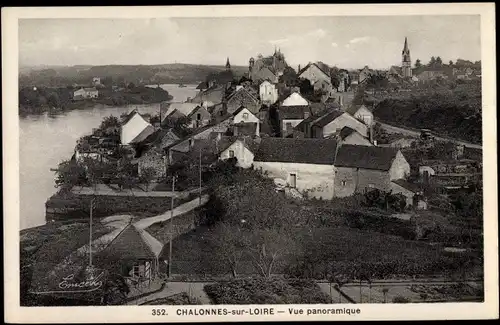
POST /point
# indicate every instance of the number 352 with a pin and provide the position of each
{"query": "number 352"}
(159, 312)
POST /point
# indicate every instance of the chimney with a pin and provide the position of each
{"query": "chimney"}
(306, 114)
(299, 69)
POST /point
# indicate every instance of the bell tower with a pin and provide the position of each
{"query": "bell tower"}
(406, 61)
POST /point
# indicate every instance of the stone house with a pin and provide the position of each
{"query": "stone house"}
(199, 117)
(361, 168)
(319, 78)
(306, 165)
(362, 113)
(214, 94)
(242, 97)
(153, 154)
(364, 74)
(166, 108)
(134, 128)
(268, 93)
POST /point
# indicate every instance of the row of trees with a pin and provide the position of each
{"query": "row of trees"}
(438, 62)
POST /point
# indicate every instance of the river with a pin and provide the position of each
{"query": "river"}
(46, 140)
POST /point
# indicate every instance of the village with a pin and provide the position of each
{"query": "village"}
(251, 157)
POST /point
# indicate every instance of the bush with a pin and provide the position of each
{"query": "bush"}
(400, 300)
(266, 291)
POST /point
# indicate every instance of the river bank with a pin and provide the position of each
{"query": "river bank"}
(35, 101)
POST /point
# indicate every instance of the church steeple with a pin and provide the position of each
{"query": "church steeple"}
(228, 65)
(406, 60)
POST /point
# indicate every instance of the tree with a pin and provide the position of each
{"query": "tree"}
(53, 100)
(69, 173)
(229, 245)
(131, 85)
(439, 62)
(289, 77)
(377, 81)
(432, 62)
(418, 64)
(450, 63)
(335, 77)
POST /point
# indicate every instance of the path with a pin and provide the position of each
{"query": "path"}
(414, 133)
(103, 189)
(194, 289)
(181, 209)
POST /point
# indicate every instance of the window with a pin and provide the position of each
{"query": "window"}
(136, 271)
(231, 154)
(293, 180)
(343, 183)
(198, 116)
(288, 126)
(245, 116)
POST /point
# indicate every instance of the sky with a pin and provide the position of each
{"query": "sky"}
(347, 42)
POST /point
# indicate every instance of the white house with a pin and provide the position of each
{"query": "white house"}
(306, 165)
(244, 115)
(85, 93)
(268, 93)
(362, 113)
(242, 150)
(135, 128)
(295, 99)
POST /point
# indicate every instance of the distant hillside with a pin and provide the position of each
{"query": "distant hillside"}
(166, 73)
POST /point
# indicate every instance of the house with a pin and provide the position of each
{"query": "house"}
(295, 99)
(362, 113)
(431, 74)
(291, 116)
(183, 109)
(412, 193)
(241, 148)
(214, 94)
(135, 255)
(304, 164)
(361, 168)
(185, 144)
(96, 81)
(85, 93)
(351, 136)
(318, 76)
(242, 96)
(153, 155)
(172, 117)
(134, 128)
(364, 74)
(333, 122)
(244, 116)
(267, 68)
(268, 93)
(199, 117)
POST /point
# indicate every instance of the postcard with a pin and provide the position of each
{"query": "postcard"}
(250, 163)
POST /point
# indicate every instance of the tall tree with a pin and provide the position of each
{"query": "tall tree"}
(418, 63)
(432, 62)
(450, 63)
(439, 61)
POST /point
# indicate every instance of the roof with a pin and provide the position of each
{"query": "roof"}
(346, 131)
(183, 108)
(132, 243)
(294, 150)
(148, 130)
(129, 116)
(415, 188)
(246, 128)
(354, 108)
(202, 85)
(320, 65)
(378, 158)
(293, 112)
(196, 109)
(89, 89)
(328, 118)
(249, 93)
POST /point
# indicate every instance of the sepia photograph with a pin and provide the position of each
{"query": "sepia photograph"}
(330, 161)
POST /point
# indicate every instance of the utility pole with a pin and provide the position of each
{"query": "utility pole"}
(200, 177)
(90, 232)
(171, 228)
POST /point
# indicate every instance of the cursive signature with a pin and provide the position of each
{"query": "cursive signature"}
(94, 283)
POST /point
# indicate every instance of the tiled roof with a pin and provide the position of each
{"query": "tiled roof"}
(183, 108)
(415, 188)
(320, 65)
(196, 110)
(346, 131)
(328, 118)
(293, 150)
(202, 85)
(131, 244)
(293, 112)
(148, 130)
(378, 158)
(354, 108)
